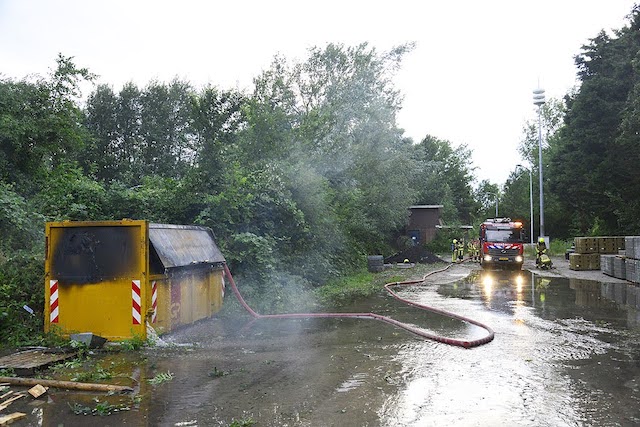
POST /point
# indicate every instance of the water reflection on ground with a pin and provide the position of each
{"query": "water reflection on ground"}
(565, 353)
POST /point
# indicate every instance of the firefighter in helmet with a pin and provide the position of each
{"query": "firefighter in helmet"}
(454, 250)
(541, 249)
(471, 250)
(476, 250)
(460, 250)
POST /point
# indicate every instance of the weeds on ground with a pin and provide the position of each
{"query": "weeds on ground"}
(245, 422)
(67, 364)
(215, 373)
(160, 378)
(82, 349)
(101, 409)
(98, 373)
(133, 344)
(54, 338)
(8, 372)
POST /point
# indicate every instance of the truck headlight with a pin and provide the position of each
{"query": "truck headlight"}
(519, 258)
(487, 257)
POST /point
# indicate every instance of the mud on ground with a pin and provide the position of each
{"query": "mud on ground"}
(415, 254)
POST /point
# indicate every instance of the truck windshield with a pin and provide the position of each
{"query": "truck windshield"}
(504, 236)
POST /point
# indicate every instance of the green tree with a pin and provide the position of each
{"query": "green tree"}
(589, 166)
(487, 194)
(166, 139)
(445, 177)
(103, 155)
(40, 124)
(328, 124)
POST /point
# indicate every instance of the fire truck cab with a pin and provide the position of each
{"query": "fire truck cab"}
(501, 244)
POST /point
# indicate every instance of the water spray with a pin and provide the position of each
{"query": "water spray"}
(388, 287)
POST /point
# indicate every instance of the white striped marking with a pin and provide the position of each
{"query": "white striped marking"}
(135, 302)
(53, 301)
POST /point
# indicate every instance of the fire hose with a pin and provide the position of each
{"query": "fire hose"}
(419, 332)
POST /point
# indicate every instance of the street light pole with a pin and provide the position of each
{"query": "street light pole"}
(530, 198)
(531, 202)
(538, 99)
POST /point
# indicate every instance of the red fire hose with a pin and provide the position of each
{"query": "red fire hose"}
(451, 341)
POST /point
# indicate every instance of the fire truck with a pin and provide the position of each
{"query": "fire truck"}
(501, 244)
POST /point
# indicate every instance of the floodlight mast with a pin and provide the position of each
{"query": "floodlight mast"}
(539, 100)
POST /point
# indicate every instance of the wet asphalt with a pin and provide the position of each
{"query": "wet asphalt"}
(566, 353)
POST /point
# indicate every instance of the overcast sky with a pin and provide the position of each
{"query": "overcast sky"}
(469, 80)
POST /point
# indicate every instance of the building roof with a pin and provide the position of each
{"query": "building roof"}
(181, 245)
(426, 207)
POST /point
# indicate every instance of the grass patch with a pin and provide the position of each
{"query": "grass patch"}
(559, 247)
(364, 284)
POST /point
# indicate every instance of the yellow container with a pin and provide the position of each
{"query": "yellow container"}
(112, 278)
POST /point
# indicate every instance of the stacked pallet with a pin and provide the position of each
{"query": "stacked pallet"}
(626, 264)
(591, 252)
(632, 258)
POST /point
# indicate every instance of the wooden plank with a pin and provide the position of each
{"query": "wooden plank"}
(37, 390)
(68, 385)
(28, 361)
(8, 419)
(8, 402)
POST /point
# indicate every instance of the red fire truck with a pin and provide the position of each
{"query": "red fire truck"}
(501, 244)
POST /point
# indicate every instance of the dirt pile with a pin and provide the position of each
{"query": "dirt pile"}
(414, 254)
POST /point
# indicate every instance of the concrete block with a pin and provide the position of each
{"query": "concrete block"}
(632, 246)
(619, 268)
(606, 264)
(632, 270)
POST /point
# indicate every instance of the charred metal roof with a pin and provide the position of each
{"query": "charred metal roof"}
(181, 245)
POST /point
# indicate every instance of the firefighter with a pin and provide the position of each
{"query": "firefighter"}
(460, 250)
(541, 249)
(471, 250)
(454, 250)
(476, 250)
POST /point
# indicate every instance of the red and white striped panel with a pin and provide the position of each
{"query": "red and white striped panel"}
(154, 301)
(53, 301)
(135, 301)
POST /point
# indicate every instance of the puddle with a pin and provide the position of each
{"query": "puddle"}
(565, 353)
(355, 381)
